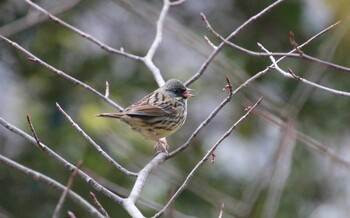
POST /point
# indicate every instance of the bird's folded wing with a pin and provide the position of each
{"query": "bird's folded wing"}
(149, 110)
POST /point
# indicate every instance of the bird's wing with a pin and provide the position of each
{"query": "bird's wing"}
(149, 110)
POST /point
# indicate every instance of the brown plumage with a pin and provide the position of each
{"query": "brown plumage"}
(159, 114)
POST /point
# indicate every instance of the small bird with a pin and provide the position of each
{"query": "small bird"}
(159, 114)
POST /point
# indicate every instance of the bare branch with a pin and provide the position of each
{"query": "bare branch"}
(142, 176)
(205, 158)
(292, 75)
(62, 162)
(143, 201)
(96, 146)
(107, 90)
(34, 133)
(37, 176)
(178, 2)
(232, 35)
(156, 42)
(297, 48)
(99, 205)
(57, 211)
(295, 44)
(206, 121)
(149, 56)
(159, 34)
(133, 211)
(263, 72)
(83, 34)
(26, 22)
(61, 73)
(71, 214)
(210, 43)
(221, 210)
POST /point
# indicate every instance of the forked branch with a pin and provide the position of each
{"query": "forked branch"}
(205, 158)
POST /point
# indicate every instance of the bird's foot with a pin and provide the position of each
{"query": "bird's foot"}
(161, 146)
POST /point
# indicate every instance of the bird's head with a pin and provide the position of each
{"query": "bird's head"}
(177, 89)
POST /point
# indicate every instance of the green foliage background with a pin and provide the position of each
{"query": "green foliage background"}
(28, 88)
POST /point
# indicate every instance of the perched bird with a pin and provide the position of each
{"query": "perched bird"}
(159, 114)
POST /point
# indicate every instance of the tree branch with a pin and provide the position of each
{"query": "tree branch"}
(157, 40)
(206, 121)
(62, 161)
(205, 158)
(232, 35)
(28, 21)
(129, 203)
(83, 34)
(34, 133)
(221, 210)
(99, 205)
(147, 59)
(52, 183)
(277, 54)
(61, 73)
(96, 146)
(57, 211)
(291, 75)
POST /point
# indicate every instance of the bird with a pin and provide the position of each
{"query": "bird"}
(159, 114)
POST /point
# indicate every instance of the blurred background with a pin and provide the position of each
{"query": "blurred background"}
(264, 169)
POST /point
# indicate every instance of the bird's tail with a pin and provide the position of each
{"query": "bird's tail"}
(110, 115)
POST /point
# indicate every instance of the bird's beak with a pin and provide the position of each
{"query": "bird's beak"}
(188, 93)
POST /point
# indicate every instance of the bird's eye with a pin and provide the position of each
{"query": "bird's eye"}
(178, 91)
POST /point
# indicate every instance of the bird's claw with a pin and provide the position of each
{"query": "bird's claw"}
(161, 146)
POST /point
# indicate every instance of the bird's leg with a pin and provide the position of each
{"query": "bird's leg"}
(161, 145)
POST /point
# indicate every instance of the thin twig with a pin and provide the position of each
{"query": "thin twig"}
(228, 87)
(232, 35)
(83, 34)
(99, 205)
(300, 54)
(60, 73)
(62, 162)
(221, 214)
(107, 90)
(205, 158)
(292, 75)
(28, 21)
(37, 176)
(295, 44)
(143, 201)
(178, 2)
(155, 44)
(71, 214)
(147, 59)
(57, 211)
(34, 133)
(96, 146)
(210, 43)
(263, 72)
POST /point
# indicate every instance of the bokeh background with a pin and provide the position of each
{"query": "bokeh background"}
(259, 171)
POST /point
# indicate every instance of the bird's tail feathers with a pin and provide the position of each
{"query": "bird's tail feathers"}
(110, 115)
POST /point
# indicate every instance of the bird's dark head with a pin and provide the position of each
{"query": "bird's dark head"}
(175, 88)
